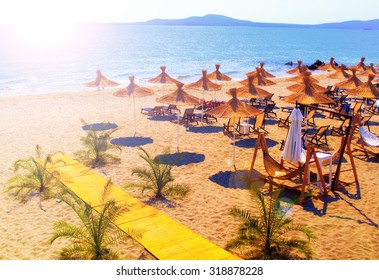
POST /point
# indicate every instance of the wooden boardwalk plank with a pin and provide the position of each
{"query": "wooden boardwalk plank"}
(162, 236)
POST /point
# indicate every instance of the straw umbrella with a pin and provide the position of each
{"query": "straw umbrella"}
(101, 81)
(365, 90)
(340, 73)
(264, 72)
(217, 75)
(351, 82)
(370, 70)
(251, 91)
(133, 90)
(305, 81)
(258, 79)
(179, 98)
(299, 78)
(204, 84)
(163, 78)
(297, 69)
(361, 66)
(234, 109)
(308, 93)
(331, 66)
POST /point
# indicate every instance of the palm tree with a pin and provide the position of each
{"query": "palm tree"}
(270, 235)
(32, 177)
(97, 146)
(97, 234)
(157, 177)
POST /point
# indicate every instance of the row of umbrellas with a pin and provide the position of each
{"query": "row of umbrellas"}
(306, 91)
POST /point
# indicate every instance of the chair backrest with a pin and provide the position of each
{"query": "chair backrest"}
(269, 107)
(233, 121)
(259, 120)
(357, 107)
(322, 130)
(188, 113)
(310, 115)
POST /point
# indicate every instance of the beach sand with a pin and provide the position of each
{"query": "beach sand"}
(344, 221)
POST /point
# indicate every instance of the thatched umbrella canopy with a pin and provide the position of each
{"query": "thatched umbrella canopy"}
(297, 69)
(163, 78)
(264, 72)
(331, 66)
(251, 91)
(204, 84)
(299, 78)
(217, 75)
(369, 70)
(101, 81)
(234, 108)
(258, 79)
(351, 82)
(340, 73)
(306, 82)
(365, 90)
(179, 97)
(361, 66)
(133, 90)
(308, 93)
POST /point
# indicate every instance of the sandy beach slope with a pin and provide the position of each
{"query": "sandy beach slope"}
(345, 221)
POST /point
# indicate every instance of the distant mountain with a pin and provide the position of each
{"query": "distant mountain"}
(219, 20)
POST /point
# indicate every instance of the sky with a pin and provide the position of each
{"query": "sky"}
(273, 11)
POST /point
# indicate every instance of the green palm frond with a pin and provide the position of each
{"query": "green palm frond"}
(97, 148)
(157, 177)
(97, 236)
(31, 177)
(269, 234)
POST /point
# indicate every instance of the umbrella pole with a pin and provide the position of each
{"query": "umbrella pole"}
(177, 136)
(234, 147)
(135, 119)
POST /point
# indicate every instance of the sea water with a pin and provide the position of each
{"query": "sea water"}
(36, 65)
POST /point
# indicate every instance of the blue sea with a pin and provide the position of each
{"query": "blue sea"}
(42, 64)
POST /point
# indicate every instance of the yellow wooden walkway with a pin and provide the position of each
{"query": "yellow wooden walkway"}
(162, 236)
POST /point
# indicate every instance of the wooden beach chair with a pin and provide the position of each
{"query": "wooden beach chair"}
(188, 117)
(259, 123)
(309, 119)
(342, 129)
(284, 122)
(318, 138)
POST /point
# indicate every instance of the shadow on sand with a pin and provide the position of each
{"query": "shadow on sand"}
(131, 141)
(181, 158)
(205, 129)
(251, 142)
(99, 126)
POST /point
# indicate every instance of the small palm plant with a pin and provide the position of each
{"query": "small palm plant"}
(33, 179)
(157, 177)
(97, 234)
(270, 235)
(97, 146)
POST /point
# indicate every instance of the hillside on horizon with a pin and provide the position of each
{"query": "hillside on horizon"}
(220, 20)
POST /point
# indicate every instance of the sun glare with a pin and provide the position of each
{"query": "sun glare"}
(42, 35)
